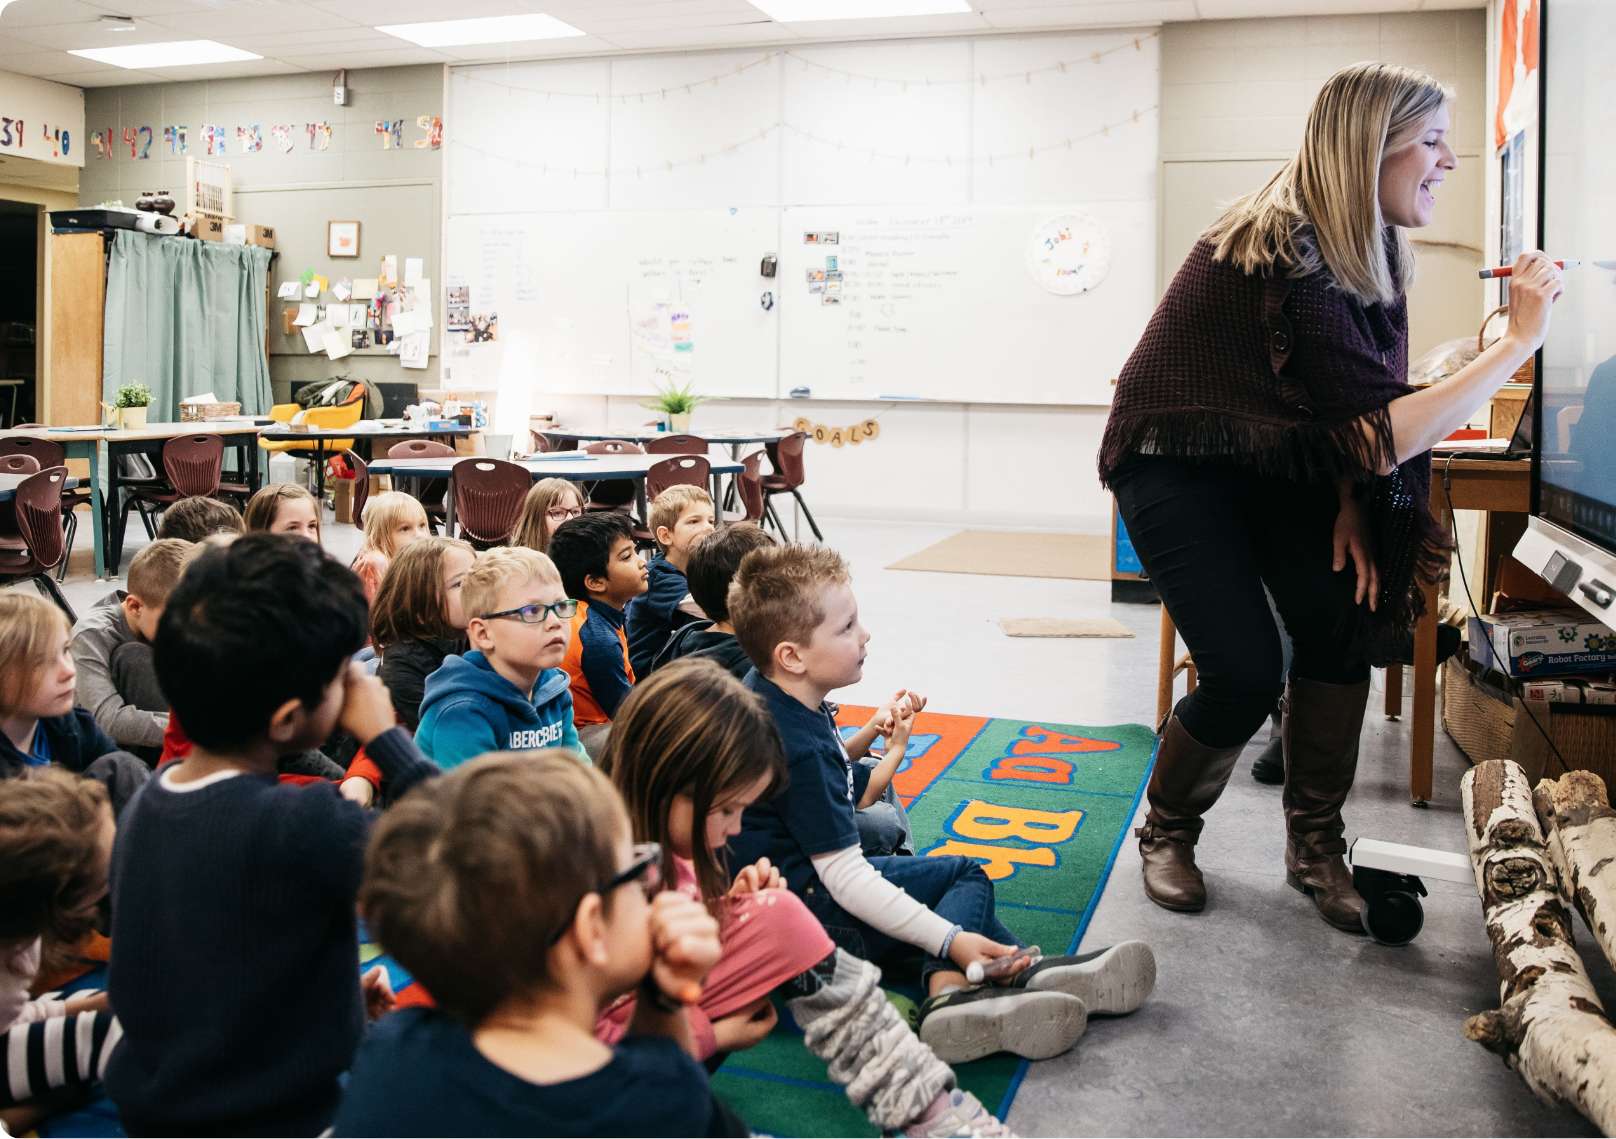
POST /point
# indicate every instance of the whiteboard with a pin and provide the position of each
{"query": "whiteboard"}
(617, 302)
(940, 303)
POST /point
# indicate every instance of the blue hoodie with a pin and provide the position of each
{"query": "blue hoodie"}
(469, 710)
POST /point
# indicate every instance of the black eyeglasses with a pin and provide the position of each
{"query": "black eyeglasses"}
(535, 614)
(646, 866)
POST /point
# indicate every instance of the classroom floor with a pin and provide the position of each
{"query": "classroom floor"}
(1265, 1021)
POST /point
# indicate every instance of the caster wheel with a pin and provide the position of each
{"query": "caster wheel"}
(1392, 914)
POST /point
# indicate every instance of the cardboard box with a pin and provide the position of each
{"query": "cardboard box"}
(1552, 691)
(239, 233)
(1542, 642)
(207, 228)
(342, 499)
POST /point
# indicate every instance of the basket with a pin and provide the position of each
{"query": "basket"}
(1478, 716)
(197, 412)
(1523, 374)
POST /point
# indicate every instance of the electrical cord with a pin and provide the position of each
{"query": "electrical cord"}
(1492, 649)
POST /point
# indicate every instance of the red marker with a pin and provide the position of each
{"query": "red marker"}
(1509, 270)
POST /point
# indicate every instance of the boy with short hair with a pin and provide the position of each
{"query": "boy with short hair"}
(602, 570)
(195, 518)
(117, 681)
(522, 963)
(795, 615)
(236, 978)
(508, 692)
(681, 516)
(713, 562)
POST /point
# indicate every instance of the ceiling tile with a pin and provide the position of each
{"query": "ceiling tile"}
(33, 13)
(104, 77)
(531, 49)
(962, 23)
(1248, 9)
(240, 70)
(246, 17)
(66, 37)
(1069, 15)
(332, 61)
(52, 63)
(765, 33)
(371, 13)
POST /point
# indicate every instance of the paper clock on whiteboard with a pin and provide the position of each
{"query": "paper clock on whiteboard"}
(1069, 254)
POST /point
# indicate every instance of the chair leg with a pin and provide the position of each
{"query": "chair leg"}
(70, 530)
(47, 586)
(808, 514)
(146, 520)
(769, 516)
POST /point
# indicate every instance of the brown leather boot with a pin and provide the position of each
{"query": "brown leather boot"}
(1187, 780)
(1321, 727)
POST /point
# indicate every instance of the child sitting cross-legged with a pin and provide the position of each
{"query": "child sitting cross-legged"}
(195, 518)
(112, 650)
(235, 964)
(509, 692)
(713, 562)
(691, 749)
(512, 890)
(55, 840)
(795, 614)
(39, 724)
(680, 517)
(392, 521)
(603, 572)
(549, 504)
(283, 508)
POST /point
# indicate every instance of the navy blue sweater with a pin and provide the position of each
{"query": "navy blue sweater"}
(655, 614)
(236, 978)
(75, 741)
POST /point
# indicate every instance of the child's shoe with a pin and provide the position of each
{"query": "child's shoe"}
(1109, 982)
(966, 1024)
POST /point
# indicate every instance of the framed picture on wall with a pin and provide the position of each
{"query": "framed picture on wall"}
(342, 239)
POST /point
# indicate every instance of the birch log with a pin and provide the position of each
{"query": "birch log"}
(1581, 832)
(1549, 1026)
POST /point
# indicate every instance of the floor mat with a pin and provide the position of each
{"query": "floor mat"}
(1081, 557)
(1044, 807)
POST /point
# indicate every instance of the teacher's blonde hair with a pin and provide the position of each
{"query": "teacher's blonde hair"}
(1361, 113)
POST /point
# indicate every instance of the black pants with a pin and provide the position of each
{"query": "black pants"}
(1211, 536)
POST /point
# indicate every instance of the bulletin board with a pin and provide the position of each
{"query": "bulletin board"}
(394, 218)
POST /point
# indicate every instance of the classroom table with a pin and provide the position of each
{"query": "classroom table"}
(734, 440)
(9, 484)
(556, 464)
(239, 433)
(1502, 488)
(363, 435)
(82, 443)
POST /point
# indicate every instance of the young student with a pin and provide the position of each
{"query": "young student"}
(283, 508)
(235, 974)
(55, 840)
(521, 962)
(112, 650)
(713, 562)
(681, 516)
(392, 521)
(795, 614)
(509, 692)
(417, 621)
(550, 503)
(195, 518)
(39, 724)
(602, 570)
(691, 749)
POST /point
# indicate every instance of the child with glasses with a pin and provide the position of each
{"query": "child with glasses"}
(509, 692)
(550, 503)
(521, 963)
(681, 516)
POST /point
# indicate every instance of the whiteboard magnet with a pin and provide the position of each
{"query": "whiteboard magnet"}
(800, 393)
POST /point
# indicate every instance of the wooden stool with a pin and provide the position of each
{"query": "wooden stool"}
(1169, 664)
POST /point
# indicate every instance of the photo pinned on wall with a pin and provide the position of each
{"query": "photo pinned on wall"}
(482, 328)
(389, 274)
(457, 305)
(342, 239)
(361, 339)
(822, 237)
(831, 299)
(832, 262)
(816, 275)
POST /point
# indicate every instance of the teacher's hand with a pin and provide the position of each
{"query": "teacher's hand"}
(1533, 288)
(1351, 540)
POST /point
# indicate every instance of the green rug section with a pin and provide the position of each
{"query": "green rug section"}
(1044, 807)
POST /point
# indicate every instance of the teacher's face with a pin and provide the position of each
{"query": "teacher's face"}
(1410, 175)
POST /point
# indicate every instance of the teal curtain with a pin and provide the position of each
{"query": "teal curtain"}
(185, 317)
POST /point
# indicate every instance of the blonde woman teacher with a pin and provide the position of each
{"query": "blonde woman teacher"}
(1263, 433)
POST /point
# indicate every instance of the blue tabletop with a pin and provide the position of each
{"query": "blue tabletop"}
(557, 464)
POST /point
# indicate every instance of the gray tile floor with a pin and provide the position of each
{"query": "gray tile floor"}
(1265, 1021)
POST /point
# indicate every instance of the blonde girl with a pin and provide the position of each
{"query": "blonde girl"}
(550, 503)
(392, 521)
(283, 508)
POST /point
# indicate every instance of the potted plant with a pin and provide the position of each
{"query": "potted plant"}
(132, 401)
(675, 403)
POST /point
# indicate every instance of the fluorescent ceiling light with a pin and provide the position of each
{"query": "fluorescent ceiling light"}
(181, 53)
(791, 11)
(486, 30)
